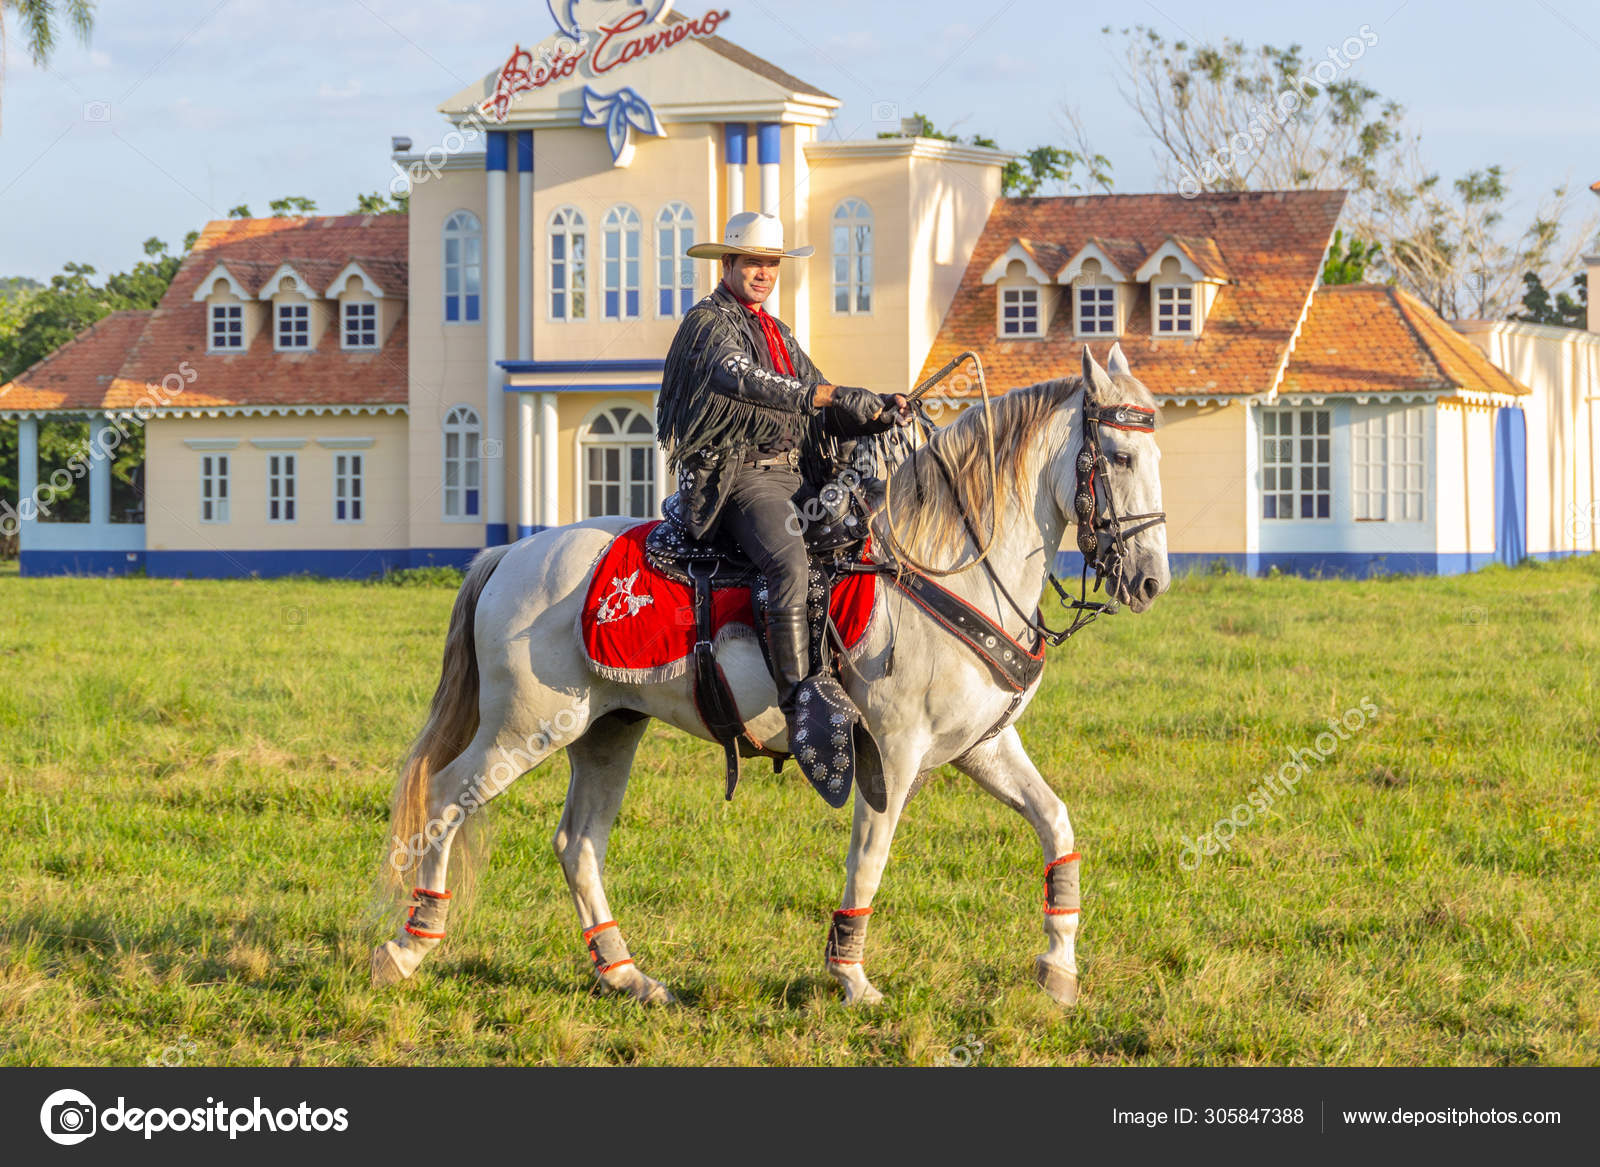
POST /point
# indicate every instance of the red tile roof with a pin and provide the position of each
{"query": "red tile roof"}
(1126, 254)
(78, 375)
(1269, 243)
(1204, 254)
(113, 364)
(1371, 338)
(317, 248)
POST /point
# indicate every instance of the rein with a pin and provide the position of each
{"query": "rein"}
(1091, 467)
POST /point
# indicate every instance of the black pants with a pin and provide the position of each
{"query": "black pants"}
(760, 516)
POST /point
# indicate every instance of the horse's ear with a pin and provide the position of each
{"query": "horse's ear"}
(1117, 363)
(1094, 377)
(1090, 365)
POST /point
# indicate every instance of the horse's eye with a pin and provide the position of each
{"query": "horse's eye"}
(1123, 460)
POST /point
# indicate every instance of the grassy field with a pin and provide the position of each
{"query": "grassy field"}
(195, 780)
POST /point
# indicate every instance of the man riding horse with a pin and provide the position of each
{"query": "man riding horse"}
(748, 422)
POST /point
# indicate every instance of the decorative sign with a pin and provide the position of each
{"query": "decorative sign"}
(592, 53)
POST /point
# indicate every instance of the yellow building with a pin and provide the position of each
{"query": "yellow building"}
(570, 280)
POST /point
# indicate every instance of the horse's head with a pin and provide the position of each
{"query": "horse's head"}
(1121, 526)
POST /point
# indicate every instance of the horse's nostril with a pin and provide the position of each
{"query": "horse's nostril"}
(1151, 587)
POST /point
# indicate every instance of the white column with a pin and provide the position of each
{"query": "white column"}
(664, 486)
(527, 418)
(549, 462)
(735, 138)
(494, 302)
(99, 476)
(27, 478)
(526, 436)
(525, 245)
(769, 142)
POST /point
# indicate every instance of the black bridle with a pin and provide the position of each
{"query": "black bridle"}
(1099, 533)
(1100, 530)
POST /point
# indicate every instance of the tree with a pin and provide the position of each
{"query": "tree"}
(12, 287)
(1026, 176)
(1230, 117)
(40, 21)
(377, 203)
(39, 320)
(1568, 311)
(291, 206)
(1347, 263)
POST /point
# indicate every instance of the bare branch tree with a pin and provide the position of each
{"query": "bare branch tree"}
(1096, 166)
(1236, 118)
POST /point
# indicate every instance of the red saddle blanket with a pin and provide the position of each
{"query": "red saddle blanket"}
(638, 625)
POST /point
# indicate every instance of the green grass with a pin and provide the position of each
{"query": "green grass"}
(195, 778)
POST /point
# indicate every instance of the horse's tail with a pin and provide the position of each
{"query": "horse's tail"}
(452, 722)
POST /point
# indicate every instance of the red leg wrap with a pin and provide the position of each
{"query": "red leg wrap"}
(429, 910)
(847, 936)
(1061, 885)
(607, 947)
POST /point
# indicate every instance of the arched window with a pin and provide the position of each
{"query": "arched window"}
(461, 466)
(463, 267)
(622, 263)
(569, 265)
(674, 269)
(618, 453)
(852, 257)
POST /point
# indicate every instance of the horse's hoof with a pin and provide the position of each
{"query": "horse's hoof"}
(857, 989)
(643, 989)
(386, 970)
(863, 997)
(653, 992)
(1057, 981)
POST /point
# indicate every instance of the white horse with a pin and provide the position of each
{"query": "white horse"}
(515, 686)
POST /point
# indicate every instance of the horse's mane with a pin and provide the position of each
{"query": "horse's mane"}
(928, 517)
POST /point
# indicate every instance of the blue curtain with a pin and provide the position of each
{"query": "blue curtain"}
(1510, 486)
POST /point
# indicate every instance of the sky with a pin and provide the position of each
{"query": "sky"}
(177, 110)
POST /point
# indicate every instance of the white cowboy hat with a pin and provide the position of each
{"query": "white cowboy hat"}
(750, 233)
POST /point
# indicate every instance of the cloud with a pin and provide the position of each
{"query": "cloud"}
(185, 114)
(351, 88)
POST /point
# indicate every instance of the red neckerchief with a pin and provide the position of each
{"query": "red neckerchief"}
(776, 349)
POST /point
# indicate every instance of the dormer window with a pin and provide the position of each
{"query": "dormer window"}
(1022, 310)
(1101, 283)
(1097, 311)
(227, 327)
(359, 293)
(1185, 275)
(294, 327)
(1174, 309)
(1019, 312)
(361, 325)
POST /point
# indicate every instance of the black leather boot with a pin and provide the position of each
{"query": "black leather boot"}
(789, 641)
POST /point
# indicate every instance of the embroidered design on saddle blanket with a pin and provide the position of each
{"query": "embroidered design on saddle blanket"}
(620, 602)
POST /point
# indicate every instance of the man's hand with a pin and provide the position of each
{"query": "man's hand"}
(869, 412)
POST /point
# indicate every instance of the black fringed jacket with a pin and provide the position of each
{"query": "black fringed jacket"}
(721, 397)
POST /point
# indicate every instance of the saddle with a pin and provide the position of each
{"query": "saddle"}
(831, 744)
(834, 538)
